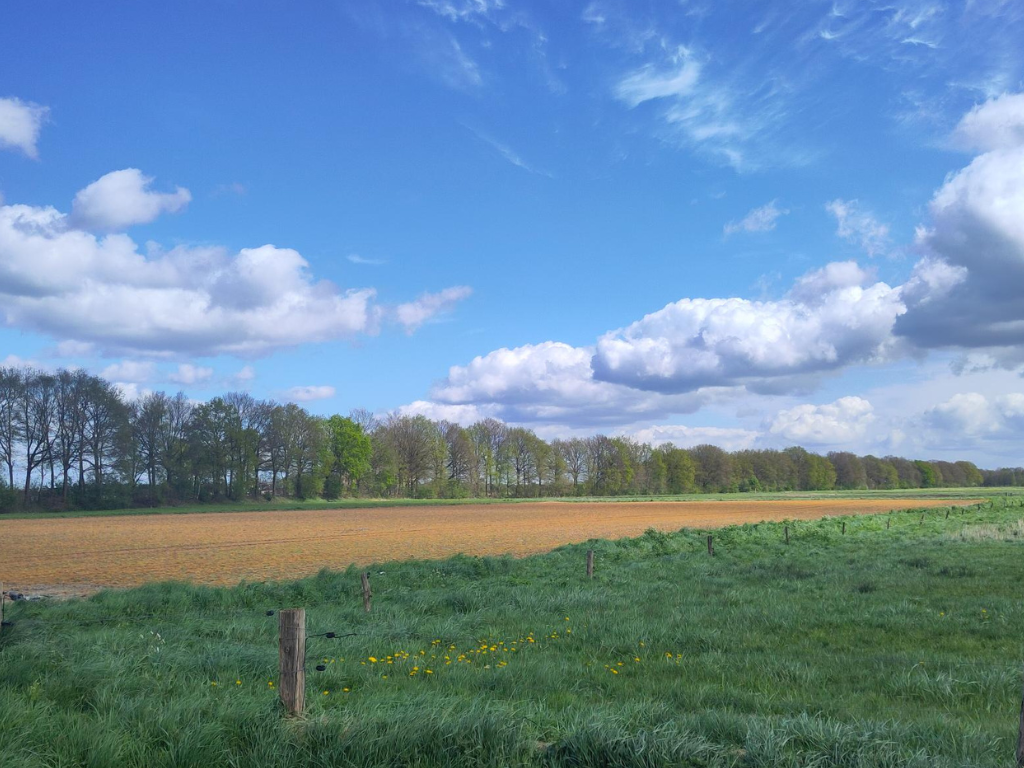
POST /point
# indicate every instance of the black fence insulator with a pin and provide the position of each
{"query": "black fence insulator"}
(270, 613)
(321, 667)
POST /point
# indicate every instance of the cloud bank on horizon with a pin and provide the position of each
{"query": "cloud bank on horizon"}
(606, 294)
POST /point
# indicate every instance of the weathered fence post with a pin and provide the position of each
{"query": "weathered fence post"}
(292, 660)
(711, 545)
(887, 521)
(844, 527)
(590, 563)
(787, 534)
(367, 594)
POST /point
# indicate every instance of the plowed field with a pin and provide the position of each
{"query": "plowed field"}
(80, 555)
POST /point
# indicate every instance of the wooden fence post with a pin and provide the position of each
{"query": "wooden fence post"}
(292, 660)
(787, 534)
(844, 527)
(947, 514)
(590, 563)
(367, 594)
(711, 545)
(887, 521)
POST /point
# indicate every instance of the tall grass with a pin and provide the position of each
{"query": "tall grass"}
(877, 647)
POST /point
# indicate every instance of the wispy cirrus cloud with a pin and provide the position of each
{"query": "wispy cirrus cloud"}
(355, 258)
(506, 152)
(428, 306)
(760, 219)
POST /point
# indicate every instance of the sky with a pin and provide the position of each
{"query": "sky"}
(749, 224)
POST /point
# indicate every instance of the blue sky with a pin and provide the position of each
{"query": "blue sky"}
(727, 222)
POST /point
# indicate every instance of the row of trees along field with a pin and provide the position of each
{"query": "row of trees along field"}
(72, 440)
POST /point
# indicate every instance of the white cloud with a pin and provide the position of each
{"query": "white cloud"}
(20, 124)
(244, 376)
(15, 361)
(413, 314)
(188, 374)
(67, 283)
(696, 343)
(650, 82)
(72, 348)
(973, 415)
(507, 153)
(458, 414)
(995, 124)
(976, 237)
(840, 423)
(121, 199)
(129, 371)
(758, 220)
(308, 393)
(462, 11)
(726, 438)
(859, 226)
(355, 258)
(553, 383)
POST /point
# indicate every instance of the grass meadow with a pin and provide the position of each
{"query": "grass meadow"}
(287, 504)
(898, 643)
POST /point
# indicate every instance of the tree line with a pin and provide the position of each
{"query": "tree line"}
(71, 440)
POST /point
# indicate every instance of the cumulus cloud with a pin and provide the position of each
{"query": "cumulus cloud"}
(244, 376)
(121, 199)
(129, 371)
(20, 124)
(188, 374)
(131, 391)
(858, 226)
(973, 415)
(69, 283)
(829, 321)
(758, 220)
(976, 236)
(727, 438)
(553, 383)
(413, 314)
(308, 393)
(995, 124)
(839, 423)
(457, 414)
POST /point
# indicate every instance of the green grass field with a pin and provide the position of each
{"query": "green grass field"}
(880, 647)
(282, 504)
